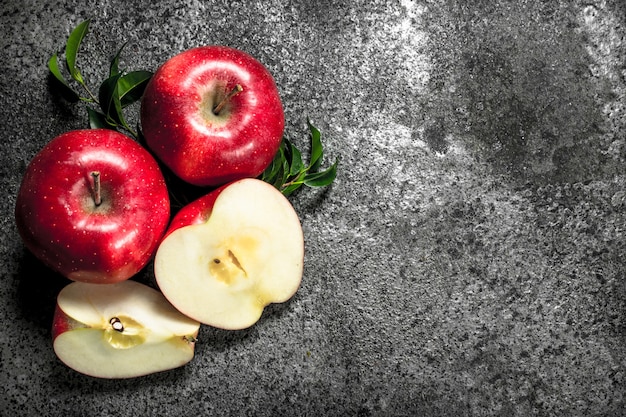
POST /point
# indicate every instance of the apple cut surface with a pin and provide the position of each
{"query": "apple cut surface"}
(248, 254)
(120, 330)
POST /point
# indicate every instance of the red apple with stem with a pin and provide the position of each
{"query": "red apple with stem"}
(213, 114)
(93, 205)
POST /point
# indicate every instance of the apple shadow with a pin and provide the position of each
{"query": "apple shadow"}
(315, 198)
(275, 311)
(213, 339)
(37, 290)
(70, 381)
(63, 101)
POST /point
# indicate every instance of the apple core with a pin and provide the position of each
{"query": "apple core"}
(124, 332)
(227, 269)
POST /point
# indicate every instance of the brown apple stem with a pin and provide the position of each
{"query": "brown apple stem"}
(97, 196)
(236, 90)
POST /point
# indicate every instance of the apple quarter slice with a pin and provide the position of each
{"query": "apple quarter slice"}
(120, 330)
(248, 253)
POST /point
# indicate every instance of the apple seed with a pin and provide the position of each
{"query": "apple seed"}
(125, 332)
(117, 324)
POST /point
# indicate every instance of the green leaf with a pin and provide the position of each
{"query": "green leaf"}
(98, 120)
(281, 164)
(110, 100)
(295, 165)
(271, 172)
(71, 49)
(115, 62)
(290, 189)
(68, 92)
(284, 171)
(266, 175)
(130, 86)
(287, 172)
(53, 66)
(317, 151)
(323, 178)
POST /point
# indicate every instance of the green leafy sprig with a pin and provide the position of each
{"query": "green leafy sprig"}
(288, 172)
(120, 89)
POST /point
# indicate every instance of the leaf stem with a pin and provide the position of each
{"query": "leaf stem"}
(128, 129)
(292, 182)
(92, 97)
(131, 131)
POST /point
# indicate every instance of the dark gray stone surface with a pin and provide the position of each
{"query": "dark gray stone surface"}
(468, 261)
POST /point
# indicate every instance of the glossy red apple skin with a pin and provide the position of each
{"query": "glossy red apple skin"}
(196, 212)
(62, 323)
(240, 142)
(58, 219)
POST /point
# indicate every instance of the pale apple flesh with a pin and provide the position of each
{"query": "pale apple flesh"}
(120, 330)
(248, 254)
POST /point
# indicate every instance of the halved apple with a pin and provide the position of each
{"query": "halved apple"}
(230, 253)
(120, 330)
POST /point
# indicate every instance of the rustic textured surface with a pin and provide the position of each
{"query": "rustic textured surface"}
(468, 261)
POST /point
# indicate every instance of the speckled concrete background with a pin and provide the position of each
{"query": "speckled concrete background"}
(468, 261)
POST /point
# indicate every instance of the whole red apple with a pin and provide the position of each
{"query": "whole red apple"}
(93, 205)
(213, 114)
